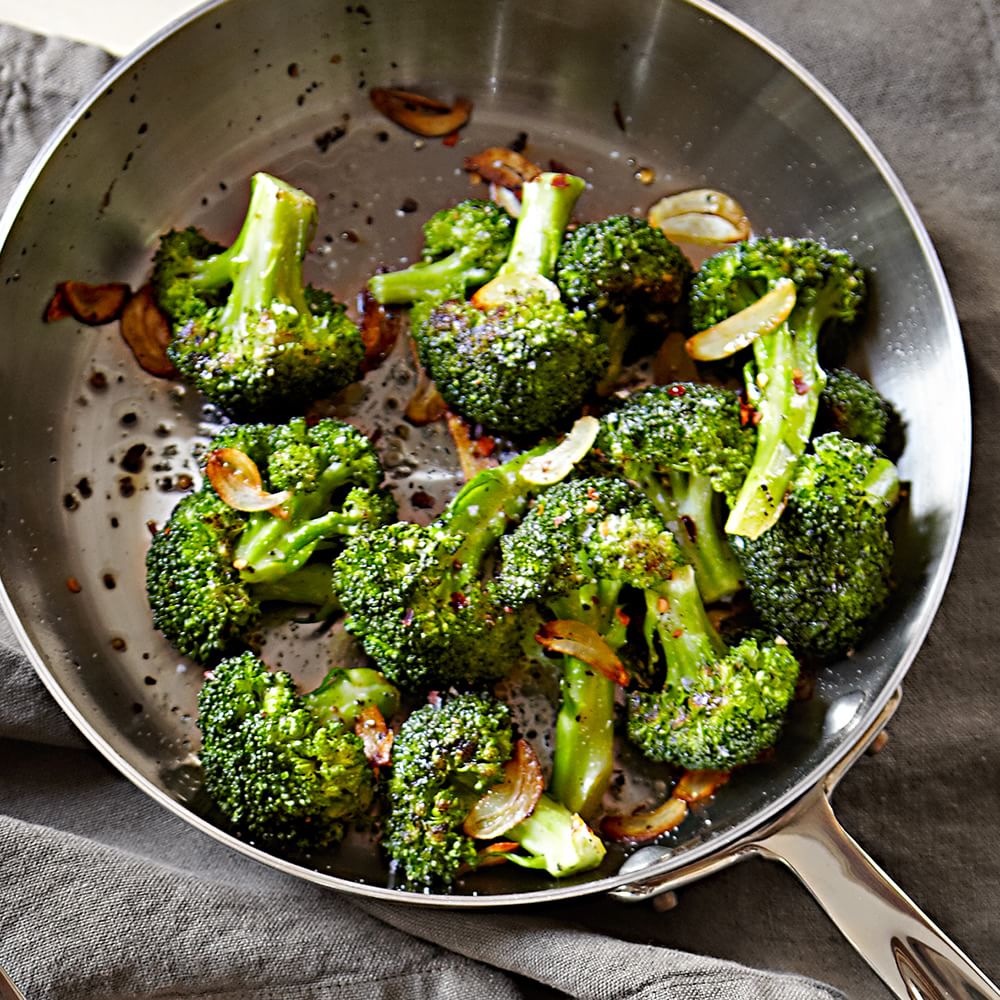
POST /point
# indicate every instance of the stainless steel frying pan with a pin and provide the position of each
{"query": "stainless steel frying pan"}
(172, 135)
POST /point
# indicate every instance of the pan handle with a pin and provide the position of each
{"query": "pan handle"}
(913, 956)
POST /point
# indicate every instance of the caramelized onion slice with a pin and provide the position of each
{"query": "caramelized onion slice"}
(556, 464)
(470, 457)
(495, 854)
(639, 828)
(377, 737)
(506, 198)
(146, 331)
(380, 328)
(93, 305)
(703, 216)
(423, 115)
(236, 479)
(426, 404)
(744, 327)
(583, 643)
(502, 166)
(513, 800)
(696, 786)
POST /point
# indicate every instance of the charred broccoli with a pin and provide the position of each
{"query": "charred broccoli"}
(627, 275)
(824, 570)
(464, 247)
(211, 567)
(445, 758)
(516, 358)
(785, 380)
(852, 406)
(287, 769)
(686, 448)
(246, 331)
(418, 597)
(576, 554)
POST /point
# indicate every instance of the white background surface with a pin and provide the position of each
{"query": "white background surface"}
(116, 25)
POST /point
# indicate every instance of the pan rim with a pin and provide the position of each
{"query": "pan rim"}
(715, 845)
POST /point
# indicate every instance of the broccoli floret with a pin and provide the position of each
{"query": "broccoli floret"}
(685, 446)
(824, 570)
(210, 568)
(516, 358)
(627, 274)
(785, 380)
(852, 406)
(286, 769)
(464, 247)
(246, 331)
(445, 758)
(419, 598)
(575, 554)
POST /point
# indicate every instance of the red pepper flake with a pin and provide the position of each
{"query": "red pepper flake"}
(559, 181)
(152, 528)
(622, 617)
(748, 414)
(677, 633)
(662, 605)
(73, 585)
(592, 494)
(485, 446)
(459, 601)
(451, 138)
(676, 389)
(801, 387)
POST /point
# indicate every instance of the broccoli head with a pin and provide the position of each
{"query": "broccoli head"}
(785, 380)
(627, 274)
(445, 758)
(686, 447)
(464, 247)
(287, 769)
(576, 554)
(247, 332)
(516, 358)
(211, 567)
(419, 597)
(852, 406)
(824, 570)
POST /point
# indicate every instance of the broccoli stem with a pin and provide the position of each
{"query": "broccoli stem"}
(676, 615)
(701, 538)
(312, 584)
(786, 390)
(481, 511)
(688, 507)
(546, 205)
(617, 334)
(344, 693)
(557, 840)
(584, 752)
(264, 264)
(271, 547)
(426, 279)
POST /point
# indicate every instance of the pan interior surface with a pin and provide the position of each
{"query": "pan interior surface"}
(614, 93)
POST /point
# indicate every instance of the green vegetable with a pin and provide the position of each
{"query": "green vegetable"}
(210, 568)
(785, 380)
(247, 332)
(822, 573)
(444, 759)
(286, 769)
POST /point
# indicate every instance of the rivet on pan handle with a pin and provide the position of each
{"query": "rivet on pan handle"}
(912, 955)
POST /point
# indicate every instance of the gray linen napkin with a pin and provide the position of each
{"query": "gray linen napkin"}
(102, 893)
